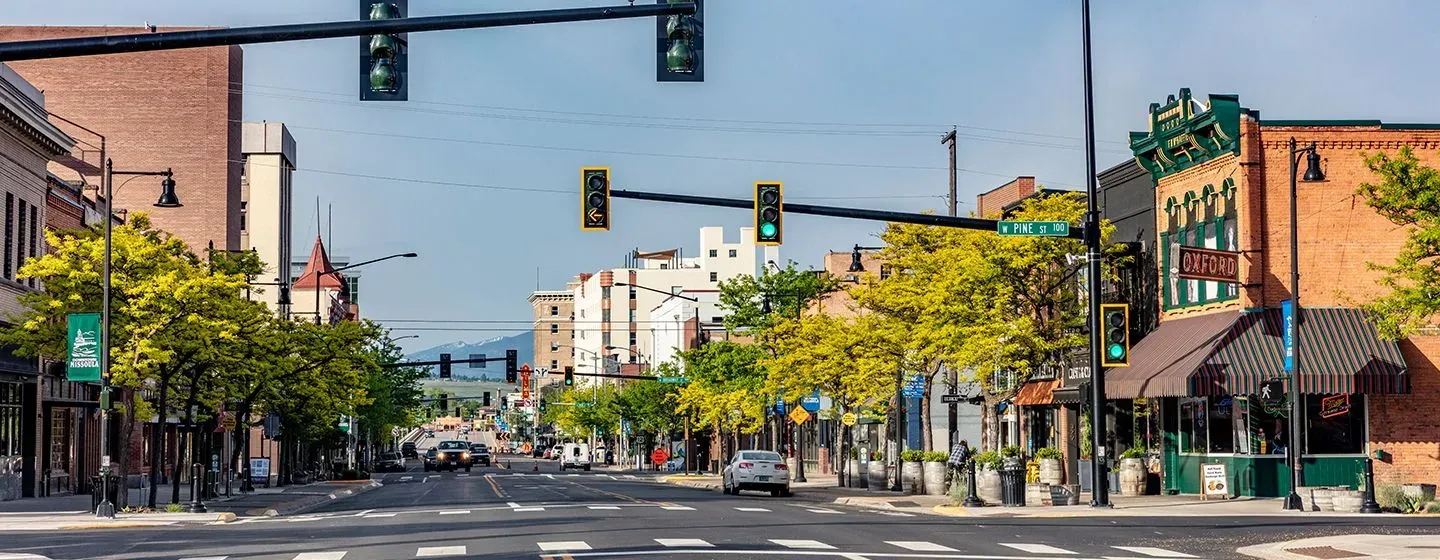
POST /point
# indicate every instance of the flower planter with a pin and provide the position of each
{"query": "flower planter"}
(912, 477)
(1425, 493)
(987, 485)
(1307, 497)
(1037, 494)
(1132, 477)
(935, 478)
(1065, 495)
(875, 476)
(854, 474)
(1321, 498)
(1051, 473)
(1347, 501)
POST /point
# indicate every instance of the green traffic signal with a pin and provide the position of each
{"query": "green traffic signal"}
(1115, 335)
(1116, 351)
(769, 211)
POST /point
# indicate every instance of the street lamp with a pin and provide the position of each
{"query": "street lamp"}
(1313, 174)
(320, 275)
(168, 199)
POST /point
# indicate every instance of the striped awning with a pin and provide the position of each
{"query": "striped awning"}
(1340, 353)
(1161, 363)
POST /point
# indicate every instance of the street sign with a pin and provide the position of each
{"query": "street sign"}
(952, 398)
(812, 402)
(1038, 229)
(849, 419)
(680, 379)
(799, 416)
(1197, 263)
(1287, 314)
(914, 387)
(525, 381)
(659, 456)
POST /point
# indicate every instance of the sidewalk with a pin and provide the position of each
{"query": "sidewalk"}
(825, 488)
(1390, 547)
(73, 512)
(290, 500)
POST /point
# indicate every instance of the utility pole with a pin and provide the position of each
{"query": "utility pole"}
(1100, 496)
(952, 422)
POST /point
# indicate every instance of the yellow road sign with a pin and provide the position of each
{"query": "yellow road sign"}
(848, 419)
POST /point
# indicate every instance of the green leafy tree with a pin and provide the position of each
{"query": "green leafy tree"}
(789, 291)
(394, 392)
(1407, 194)
(726, 391)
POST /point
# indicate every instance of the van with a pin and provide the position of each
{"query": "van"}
(575, 456)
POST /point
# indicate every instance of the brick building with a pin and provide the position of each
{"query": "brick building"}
(177, 109)
(554, 331)
(1222, 183)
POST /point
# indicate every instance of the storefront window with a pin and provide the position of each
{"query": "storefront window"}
(1334, 424)
(1221, 425)
(1192, 425)
(10, 394)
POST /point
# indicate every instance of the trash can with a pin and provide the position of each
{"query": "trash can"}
(96, 488)
(1012, 483)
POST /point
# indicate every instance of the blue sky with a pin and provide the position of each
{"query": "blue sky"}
(845, 101)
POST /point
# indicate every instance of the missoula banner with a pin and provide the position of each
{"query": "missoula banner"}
(83, 362)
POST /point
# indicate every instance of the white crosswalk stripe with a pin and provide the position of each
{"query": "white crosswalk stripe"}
(19, 557)
(528, 509)
(1034, 548)
(921, 546)
(456, 512)
(603, 507)
(336, 555)
(557, 546)
(751, 509)
(678, 508)
(822, 510)
(373, 515)
(802, 543)
(433, 551)
(1152, 551)
(684, 543)
(896, 513)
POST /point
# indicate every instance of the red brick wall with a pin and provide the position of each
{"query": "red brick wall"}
(994, 201)
(61, 210)
(179, 109)
(1406, 426)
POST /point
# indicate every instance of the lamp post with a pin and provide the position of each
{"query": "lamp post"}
(699, 340)
(323, 274)
(1313, 174)
(168, 199)
(797, 436)
(897, 486)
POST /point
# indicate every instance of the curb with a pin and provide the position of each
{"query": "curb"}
(125, 525)
(310, 502)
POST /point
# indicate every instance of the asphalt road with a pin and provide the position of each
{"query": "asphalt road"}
(534, 511)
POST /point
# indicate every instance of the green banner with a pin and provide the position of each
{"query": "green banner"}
(83, 363)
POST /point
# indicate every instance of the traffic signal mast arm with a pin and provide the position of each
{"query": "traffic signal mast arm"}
(438, 362)
(170, 40)
(1076, 232)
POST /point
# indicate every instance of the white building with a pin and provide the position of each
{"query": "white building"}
(614, 321)
(265, 203)
(676, 323)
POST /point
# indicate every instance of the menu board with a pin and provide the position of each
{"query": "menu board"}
(1214, 480)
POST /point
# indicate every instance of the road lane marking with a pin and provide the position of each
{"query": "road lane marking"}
(363, 513)
(495, 486)
(603, 507)
(802, 543)
(337, 555)
(517, 510)
(18, 557)
(462, 474)
(683, 543)
(456, 512)
(896, 513)
(1033, 548)
(432, 551)
(563, 545)
(921, 546)
(678, 508)
(752, 509)
(550, 476)
(405, 478)
(375, 515)
(822, 510)
(1152, 551)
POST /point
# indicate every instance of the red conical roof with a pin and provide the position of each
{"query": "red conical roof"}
(319, 266)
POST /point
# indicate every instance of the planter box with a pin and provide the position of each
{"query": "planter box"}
(1037, 493)
(987, 485)
(875, 476)
(1347, 501)
(912, 477)
(935, 478)
(1132, 477)
(854, 475)
(1065, 494)
(1051, 473)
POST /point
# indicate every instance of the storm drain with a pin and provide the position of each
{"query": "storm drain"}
(1325, 552)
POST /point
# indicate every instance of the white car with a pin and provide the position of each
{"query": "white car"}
(756, 470)
(575, 456)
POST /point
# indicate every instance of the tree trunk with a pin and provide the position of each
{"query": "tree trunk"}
(126, 427)
(157, 443)
(927, 437)
(181, 466)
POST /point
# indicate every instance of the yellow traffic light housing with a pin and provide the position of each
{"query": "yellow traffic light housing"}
(769, 213)
(595, 198)
(1115, 335)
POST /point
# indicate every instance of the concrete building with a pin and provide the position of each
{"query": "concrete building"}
(266, 202)
(612, 322)
(678, 324)
(177, 109)
(28, 142)
(554, 331)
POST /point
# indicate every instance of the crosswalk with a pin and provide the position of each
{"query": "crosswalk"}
(544, 549)
(516, 507)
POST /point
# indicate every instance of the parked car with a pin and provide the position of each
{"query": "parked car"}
(452, 455)
(479, 454)
(575, 456)
(389, 462)
(407, 450)
(756, 470)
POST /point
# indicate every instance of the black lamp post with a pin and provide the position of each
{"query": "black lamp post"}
(320, 275)
(168, 199)
(1293, 451)
(857, 266)
(699, 339)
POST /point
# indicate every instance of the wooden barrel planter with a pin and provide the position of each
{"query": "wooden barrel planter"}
(987, 485)
(1322, 498)
(935, 478)
(1051, 473)
(1132, 477)
(1347, 500)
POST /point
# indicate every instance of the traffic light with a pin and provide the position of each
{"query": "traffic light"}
(444, 366)
(595, 198)
(444, 401)
(569, 376)
(457, 412)
(680, 49)
(542, 406)
(1115, 334)
(487, 398)
(511, 372)
(383, 58)
(504, 402)
(769, 214)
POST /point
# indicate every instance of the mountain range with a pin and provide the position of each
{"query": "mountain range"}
(523, 343)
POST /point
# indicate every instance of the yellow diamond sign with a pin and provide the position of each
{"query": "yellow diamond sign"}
(799, 415)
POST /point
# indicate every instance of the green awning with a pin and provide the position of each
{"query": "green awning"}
(1340, 353)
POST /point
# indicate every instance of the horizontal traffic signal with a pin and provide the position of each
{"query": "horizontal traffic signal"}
(1115, 335)
(769, 214)
(595, 198)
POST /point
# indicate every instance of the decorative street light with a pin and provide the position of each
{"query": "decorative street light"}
(356, 265)
(168, 199)
(1313, 174)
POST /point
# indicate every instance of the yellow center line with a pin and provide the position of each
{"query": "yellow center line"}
(496, 487)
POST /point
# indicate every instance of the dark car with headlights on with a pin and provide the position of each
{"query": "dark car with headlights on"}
(389, 462)
(450, 455)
